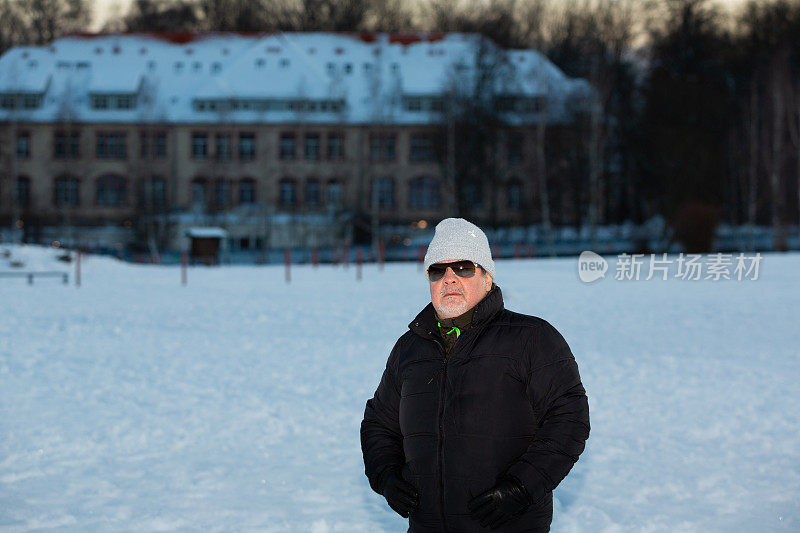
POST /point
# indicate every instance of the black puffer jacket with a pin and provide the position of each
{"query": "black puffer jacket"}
(507, 399)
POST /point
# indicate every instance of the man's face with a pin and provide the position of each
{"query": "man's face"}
(453, 295)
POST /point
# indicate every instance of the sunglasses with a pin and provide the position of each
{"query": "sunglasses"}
(462, 269)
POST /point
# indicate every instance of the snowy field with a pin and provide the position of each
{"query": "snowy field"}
(234, 403)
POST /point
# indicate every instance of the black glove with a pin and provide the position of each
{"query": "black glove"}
(506, 500)
(399, 493)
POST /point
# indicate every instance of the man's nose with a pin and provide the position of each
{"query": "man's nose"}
(449, 275)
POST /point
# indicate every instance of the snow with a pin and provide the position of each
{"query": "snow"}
(233, 403)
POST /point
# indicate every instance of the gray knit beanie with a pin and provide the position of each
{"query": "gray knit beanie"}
(456, 239)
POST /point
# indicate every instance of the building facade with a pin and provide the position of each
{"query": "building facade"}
(287, 139)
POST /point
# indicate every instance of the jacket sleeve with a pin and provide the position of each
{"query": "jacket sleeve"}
(559, 402)
(381, 439)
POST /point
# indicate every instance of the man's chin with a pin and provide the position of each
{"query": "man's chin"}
(449, 311)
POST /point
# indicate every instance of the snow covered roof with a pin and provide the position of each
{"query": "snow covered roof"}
(261, 78)
(207, 232)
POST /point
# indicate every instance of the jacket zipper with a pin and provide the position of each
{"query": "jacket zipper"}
(441, 427)
(441, 435)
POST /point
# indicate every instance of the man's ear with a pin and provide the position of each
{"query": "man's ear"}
(487, 281)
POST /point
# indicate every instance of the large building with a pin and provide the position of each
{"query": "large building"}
(281, 139)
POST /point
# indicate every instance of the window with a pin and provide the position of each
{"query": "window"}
(334, 194)
(66, 191)
(287, 146)
(247, 191)
(23, 192)
(66, 145)
(160, 146)
(126, 101)
(224, 147)
(199, 145)
(514, 195)
(335, 146)
(111, 146)
(471, 194)
(421, 148)
(287, 196)
(312, 146)
(413, 104)
(383, 192)
(382, 147)
(111, 191)
(199, 193)
(515, 143)
(32, 101)
(312, 192)
(8, 101)
(154, 192)
(247, 146)
(153, 144)
(23, 145)
(223, 194)
(144, 144)
(99, 101)
(424, 193)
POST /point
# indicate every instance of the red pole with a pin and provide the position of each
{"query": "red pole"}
(184, 263)
(287, 259)
(381, 257)
(359, 261)
(517, 253)
(78, 270)
(315, 257)
(346, 258)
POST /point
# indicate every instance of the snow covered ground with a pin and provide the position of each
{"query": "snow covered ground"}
(233, 404)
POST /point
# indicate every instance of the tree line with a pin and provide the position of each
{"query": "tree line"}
(695, 114)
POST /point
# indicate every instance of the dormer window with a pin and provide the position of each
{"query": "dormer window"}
(113, 101)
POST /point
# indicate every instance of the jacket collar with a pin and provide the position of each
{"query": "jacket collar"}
(424, 324)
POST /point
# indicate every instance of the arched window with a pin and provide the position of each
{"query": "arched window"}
(334, 194)
(154, 192)
(66, 191)
(110, 191)
(312, 193)
(424, 193)
(22, 195)
(247, 191)
(514, 194)
(287, 193)
(199, 192)
(383, 192)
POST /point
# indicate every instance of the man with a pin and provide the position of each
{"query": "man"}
(480, 412)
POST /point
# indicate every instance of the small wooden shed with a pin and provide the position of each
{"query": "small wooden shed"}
(205, 244)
